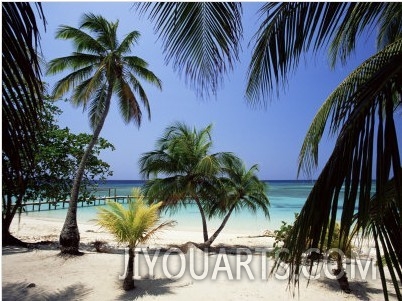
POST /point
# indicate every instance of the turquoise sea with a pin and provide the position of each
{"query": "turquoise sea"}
(286, 198)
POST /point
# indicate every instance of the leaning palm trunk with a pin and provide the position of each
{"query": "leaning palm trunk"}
(128, 283)
(70, 236)
(209, 241)
(203, 218)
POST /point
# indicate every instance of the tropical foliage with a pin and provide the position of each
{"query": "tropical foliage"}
(133, 225)
(182, 168)
(184, 171)
(360, 112)
(21, 97)
(238, 189)
(200, 39)
(100, 67)
(56, 159)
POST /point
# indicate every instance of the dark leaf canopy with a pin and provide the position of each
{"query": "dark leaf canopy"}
(22, 88)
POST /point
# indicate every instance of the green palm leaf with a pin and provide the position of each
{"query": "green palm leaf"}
(201, 39)
(366, 142)
(133, 225)
(353, 92)
(290, 29)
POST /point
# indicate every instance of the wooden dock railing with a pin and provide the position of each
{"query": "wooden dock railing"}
(54, 205)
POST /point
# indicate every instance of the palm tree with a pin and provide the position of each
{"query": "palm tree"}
(21, 104)
(240, 189)
(133, 225)
(360, 111)
(188, 169)
(100, 68)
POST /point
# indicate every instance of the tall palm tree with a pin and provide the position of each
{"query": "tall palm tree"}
(239, 189)
(182, 168)
(133, 225)
(21, 104)
(361, 110)
(100, 68)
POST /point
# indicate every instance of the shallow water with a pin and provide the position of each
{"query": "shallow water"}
(286, 198)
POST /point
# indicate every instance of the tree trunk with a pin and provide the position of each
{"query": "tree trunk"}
(70, 236)
(209, 241)
(343, 280)
(128, 283)
(203, 218)
(9, 240)
(8, 215)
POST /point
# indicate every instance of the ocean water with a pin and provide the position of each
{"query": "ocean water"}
(286, 199)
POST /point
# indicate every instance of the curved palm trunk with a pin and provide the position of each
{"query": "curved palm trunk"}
(70, 236)
(128, 283)
(9, 211)
(203, 218)
(209, 241)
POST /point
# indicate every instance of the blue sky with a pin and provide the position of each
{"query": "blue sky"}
(269, 137)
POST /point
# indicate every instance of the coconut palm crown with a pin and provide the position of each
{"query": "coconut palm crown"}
(182, 168)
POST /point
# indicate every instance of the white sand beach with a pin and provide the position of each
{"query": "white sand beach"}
(41, 274)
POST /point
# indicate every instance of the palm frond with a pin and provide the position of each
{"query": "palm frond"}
(287, 30)
(98, 105)
(367, 144)
(368, 79)
(363, 17)
(22, 88)
(128, 104)
(130, 39)
(201, 39)
(135, 224)
(82, 40)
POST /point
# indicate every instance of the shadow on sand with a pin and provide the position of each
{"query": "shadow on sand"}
(151, 287)
(361, 290)
(26, 291)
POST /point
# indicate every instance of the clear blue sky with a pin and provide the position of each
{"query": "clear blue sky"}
(269, 137)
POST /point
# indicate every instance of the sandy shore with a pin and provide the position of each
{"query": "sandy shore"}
(41, 274)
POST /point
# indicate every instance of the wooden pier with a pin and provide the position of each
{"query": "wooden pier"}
(93, 201)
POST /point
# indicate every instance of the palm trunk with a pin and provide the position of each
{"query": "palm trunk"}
(9, 211)
(209, 241)
(203, 218)
(70, 236)
(343, 279)
(128, 283)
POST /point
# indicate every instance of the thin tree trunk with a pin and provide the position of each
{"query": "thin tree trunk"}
(70, 236)
(209, 241)
(128, 283)
(203, 218)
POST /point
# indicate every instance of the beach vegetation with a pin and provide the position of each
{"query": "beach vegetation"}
(182, 169)
(359, 113)
(21, 102)
(238, 189)
(56, 159)
(100, 67)
(132, 225)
